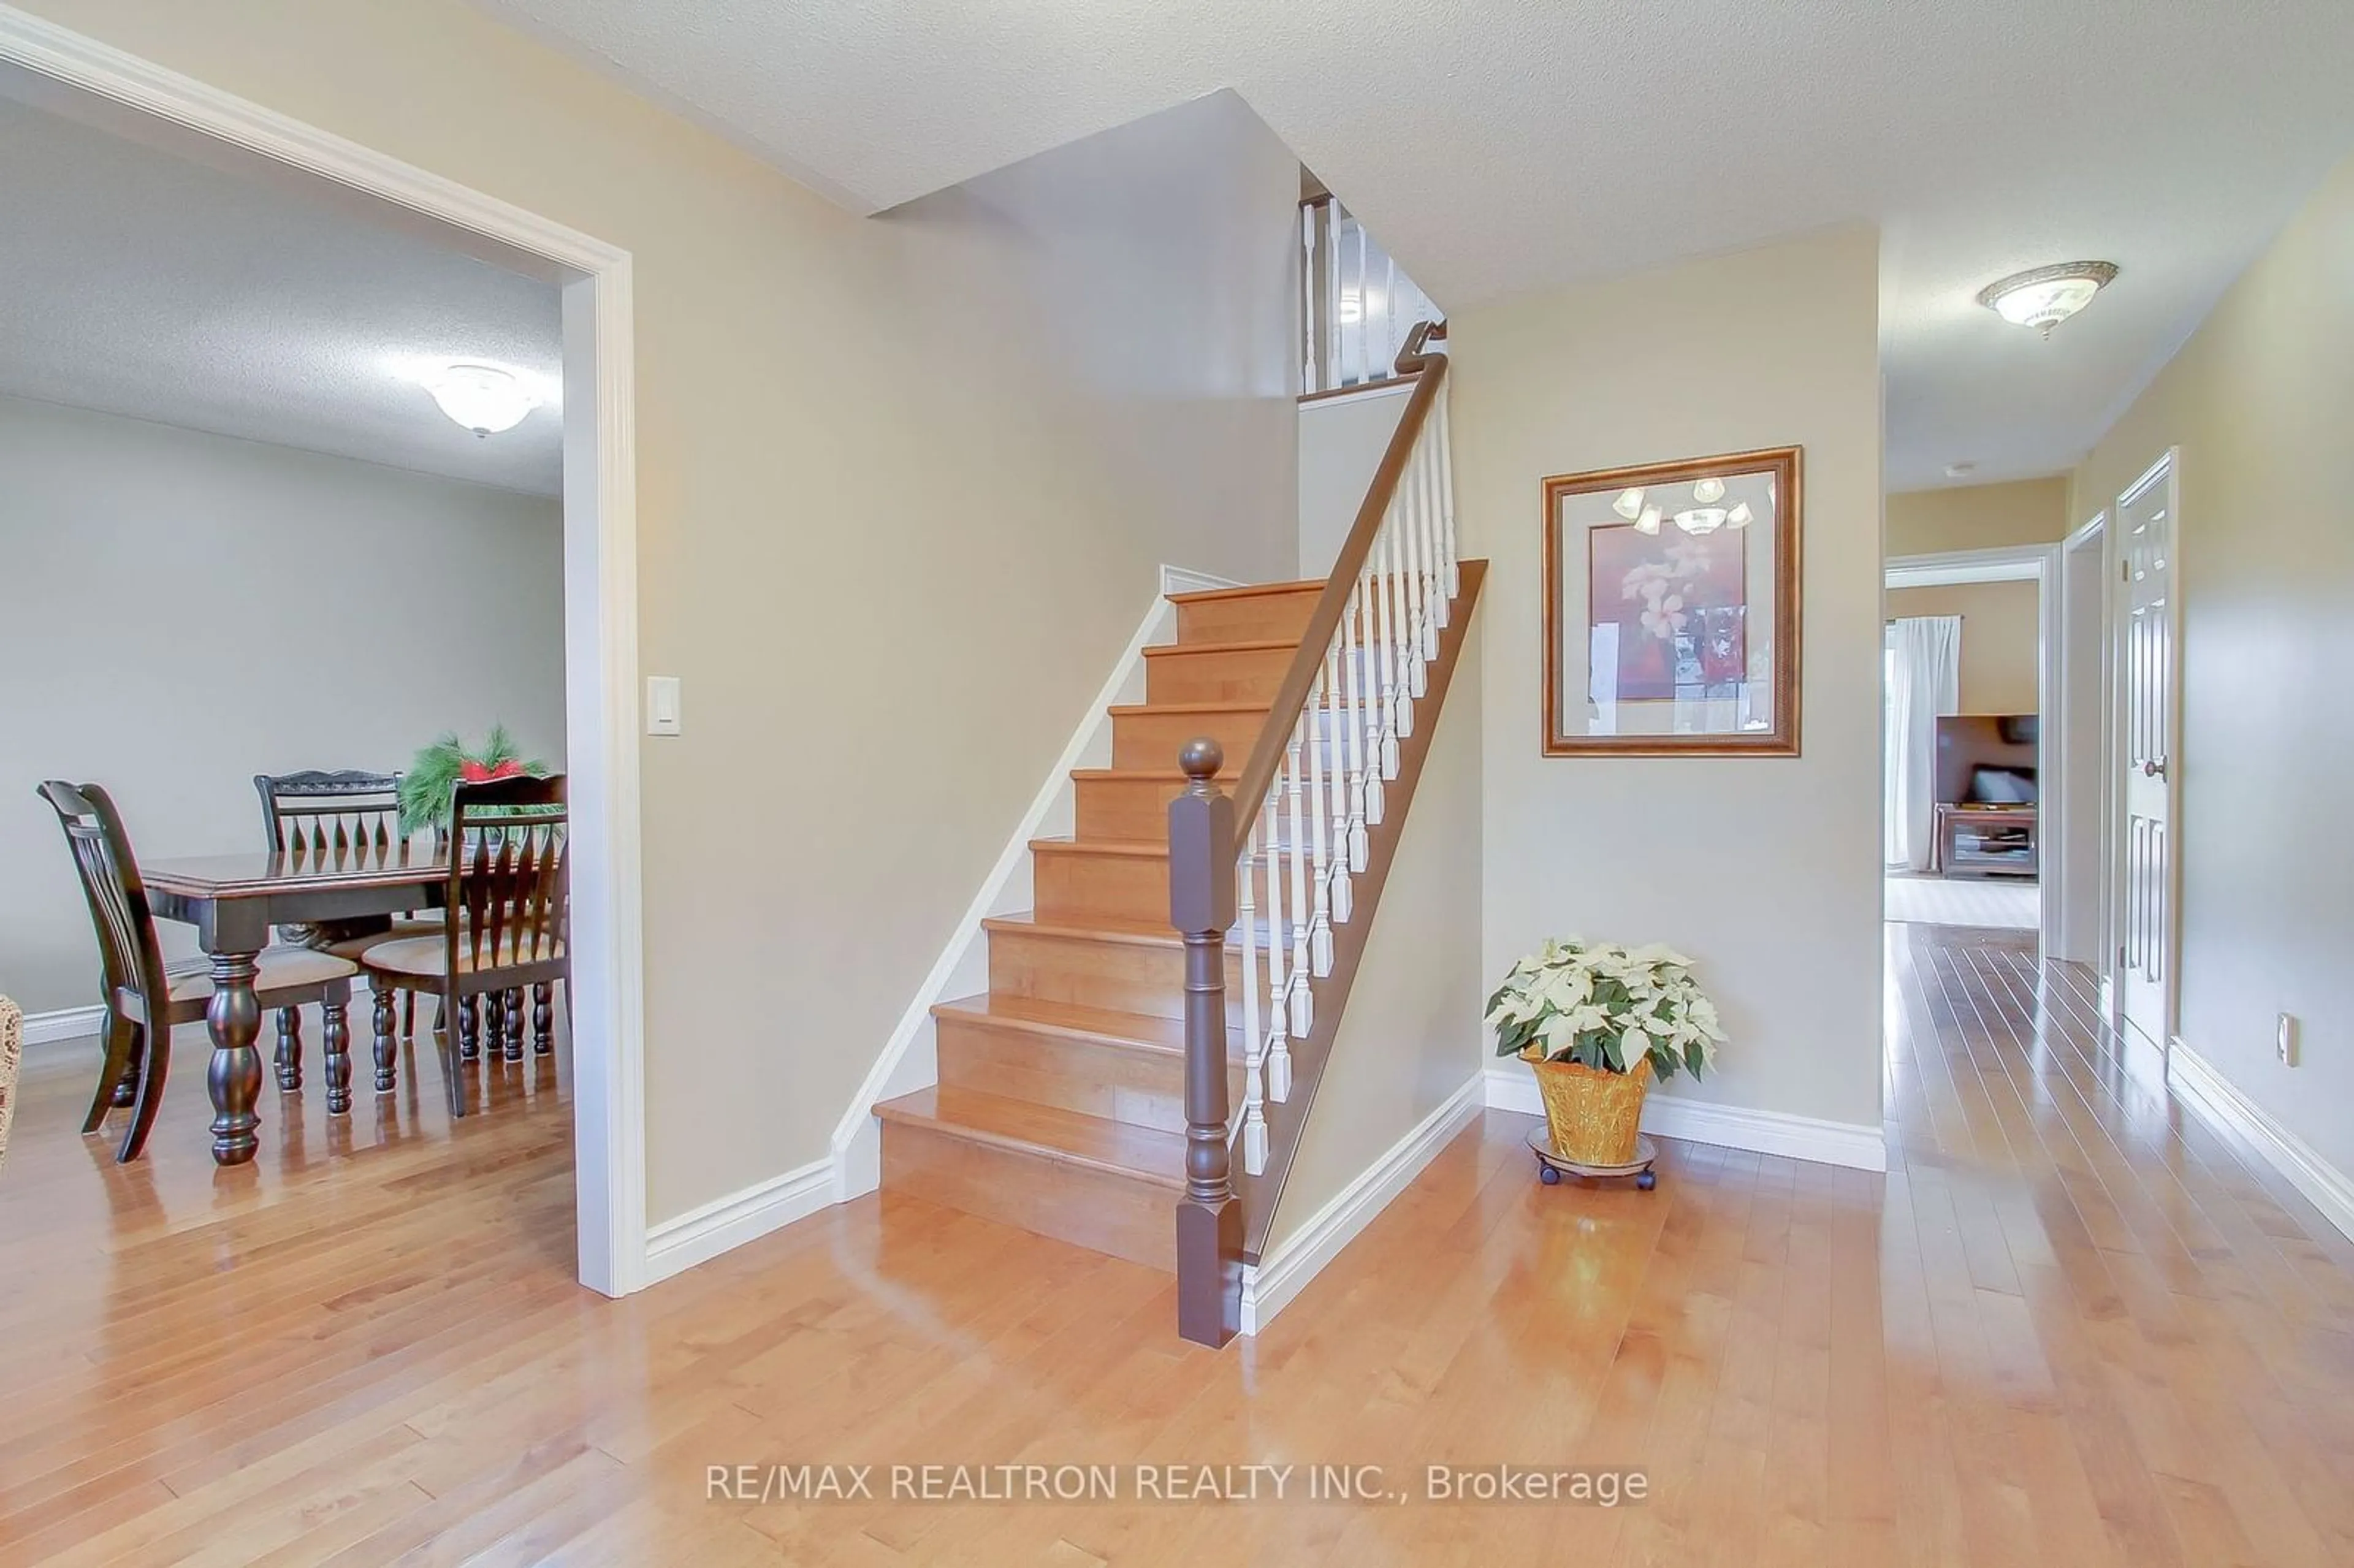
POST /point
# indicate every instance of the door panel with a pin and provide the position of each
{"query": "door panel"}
(2145, 735)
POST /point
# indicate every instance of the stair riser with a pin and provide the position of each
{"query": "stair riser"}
(1252, 619)
(1134, 810)
(1139, 1087)
(1111, 1213)
(1240, 676)
(1127, 887)
(1153, 740)
(1120, 976)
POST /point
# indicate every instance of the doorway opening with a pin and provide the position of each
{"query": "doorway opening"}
(1968, 838)
(54, 71)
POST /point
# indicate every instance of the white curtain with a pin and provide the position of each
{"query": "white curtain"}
(1925, 681)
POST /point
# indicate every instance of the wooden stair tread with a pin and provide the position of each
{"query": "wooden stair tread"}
(1049, 1132)
(1096, 928)
(1247, 591)
(1260, 645)
(1137, 849)
(1098, 1025)
(1152, 775)
(1132, 710)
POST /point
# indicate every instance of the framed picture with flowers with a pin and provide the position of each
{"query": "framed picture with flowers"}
(1671, 609)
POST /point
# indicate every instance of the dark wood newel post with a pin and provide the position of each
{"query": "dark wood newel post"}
(1201, 907)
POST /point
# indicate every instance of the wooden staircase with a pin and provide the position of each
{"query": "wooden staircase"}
(1060, 1106)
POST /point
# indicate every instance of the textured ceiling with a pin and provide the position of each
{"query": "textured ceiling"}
(139, 283)
(1515, 145)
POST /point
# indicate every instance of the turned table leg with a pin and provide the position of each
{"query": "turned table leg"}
(234, 1019)
(542, 1018)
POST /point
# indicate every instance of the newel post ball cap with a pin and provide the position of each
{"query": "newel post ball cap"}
(1202, 758)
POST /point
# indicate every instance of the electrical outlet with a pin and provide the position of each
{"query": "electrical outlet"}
(2284, 1040)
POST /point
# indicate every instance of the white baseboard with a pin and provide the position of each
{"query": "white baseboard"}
(2323, 1184)
(1269, 1287)
(1858, 1148)
(66, 1023)
(702, 1233)
(908, 1063)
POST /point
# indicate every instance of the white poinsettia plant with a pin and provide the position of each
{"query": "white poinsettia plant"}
(1604, 1005)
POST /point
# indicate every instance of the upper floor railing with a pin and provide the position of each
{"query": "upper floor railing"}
(1357, 308)
(1275, 864)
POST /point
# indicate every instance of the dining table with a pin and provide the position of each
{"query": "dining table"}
(234, 901)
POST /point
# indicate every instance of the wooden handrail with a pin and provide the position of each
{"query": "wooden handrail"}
(1266, 752)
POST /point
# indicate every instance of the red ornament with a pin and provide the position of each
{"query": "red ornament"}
(474, 772)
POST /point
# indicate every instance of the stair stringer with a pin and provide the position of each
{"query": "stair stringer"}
(1262, 1195)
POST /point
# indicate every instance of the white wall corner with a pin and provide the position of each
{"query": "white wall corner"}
(702, 1233)
(1510, 1086)
(2324, 1185)
(1269, 1285)
(908, 1061)
(66, 1024)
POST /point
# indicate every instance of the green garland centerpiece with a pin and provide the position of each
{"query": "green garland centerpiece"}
(446, 764)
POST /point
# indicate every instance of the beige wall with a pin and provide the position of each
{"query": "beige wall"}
(1341, 440)
(2000, 638)
(379, 608)
(1978, 516)
(902, 485)
(1412, 1034)
(1766, 870)
(2260, 401)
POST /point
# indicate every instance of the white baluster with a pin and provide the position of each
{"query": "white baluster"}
(1447, 497)
(1364, 312)
(1303, 1005)
(1385, 649)
(1308, 380)
(1417, 585)
(1319, 929)
(1336, 776)
(1365, 783)
(1436, 524)
(1394, 591)
(1253, 1138)
(1278, 1011)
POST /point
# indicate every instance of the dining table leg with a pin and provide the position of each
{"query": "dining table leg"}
(233, 1018)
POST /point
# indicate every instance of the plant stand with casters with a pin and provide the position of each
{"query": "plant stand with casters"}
(1551, 1167)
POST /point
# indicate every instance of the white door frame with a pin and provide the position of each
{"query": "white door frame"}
(2166, 470)
(601, 597)
(2093, 534)
(2039, 564)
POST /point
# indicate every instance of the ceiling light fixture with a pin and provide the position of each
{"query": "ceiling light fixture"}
(484, 399)
(2048, 296)
(1648, 523)
(1709, 492)
(1629, 504)
(1740, 516)
(1701, 519)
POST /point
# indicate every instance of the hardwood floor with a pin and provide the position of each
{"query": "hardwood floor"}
(2073, 1325)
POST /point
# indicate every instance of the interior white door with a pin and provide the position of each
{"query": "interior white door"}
(2145, 901)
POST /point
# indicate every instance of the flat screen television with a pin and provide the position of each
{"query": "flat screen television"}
(2001, 786)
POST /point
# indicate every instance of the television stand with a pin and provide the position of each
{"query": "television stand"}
(1986, 841)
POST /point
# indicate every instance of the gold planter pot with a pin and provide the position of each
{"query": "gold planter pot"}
(1594, 1115)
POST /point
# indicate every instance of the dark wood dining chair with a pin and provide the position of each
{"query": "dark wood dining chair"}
(508, 909)
(327, 817)
(144, 999)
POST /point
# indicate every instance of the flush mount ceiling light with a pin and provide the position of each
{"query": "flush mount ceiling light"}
(484, 399)
(2048, 296)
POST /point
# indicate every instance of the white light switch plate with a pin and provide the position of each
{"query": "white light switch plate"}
(662, 704)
